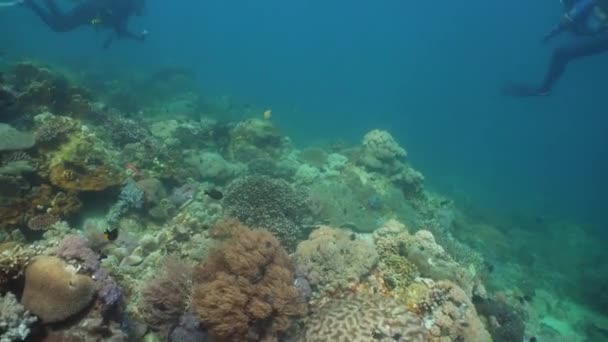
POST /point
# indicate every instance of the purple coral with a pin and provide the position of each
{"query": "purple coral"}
(108, 290)
(75, 247)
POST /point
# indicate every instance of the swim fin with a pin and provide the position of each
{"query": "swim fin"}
(523, 90)
(11, 3)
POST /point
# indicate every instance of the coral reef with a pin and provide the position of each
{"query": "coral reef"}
(504, 322)
(380, 153)
(54, 291)
(165, 298)
(333, 259)
(188, 329)
(421, 250)
(15, 321)
(131, 196)
(14, 258)
(363, 318)
(446, 310)
(52, 130)
(255, 138)
(260, 201)
(156, 145)
(244, 291)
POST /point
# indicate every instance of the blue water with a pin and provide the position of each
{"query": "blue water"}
(428, 72)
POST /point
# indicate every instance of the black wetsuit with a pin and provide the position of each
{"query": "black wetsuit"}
(564, 54)
(588, 46)
(111, 14)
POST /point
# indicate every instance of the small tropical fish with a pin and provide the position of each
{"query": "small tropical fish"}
(267, 114)
(110, 234)
(215, 194)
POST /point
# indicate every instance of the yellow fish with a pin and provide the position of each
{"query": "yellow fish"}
(267, 114)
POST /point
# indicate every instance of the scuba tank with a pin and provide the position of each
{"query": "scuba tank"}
(577, 14)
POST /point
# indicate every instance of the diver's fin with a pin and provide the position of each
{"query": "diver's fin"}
(523, 90)
(11, 3)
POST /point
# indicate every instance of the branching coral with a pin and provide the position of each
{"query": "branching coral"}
(165, 298)
(131, 196)
(244, 291)
(260, 201)
(14, 258)
(333, 259)
(15, 321)
(362, 319)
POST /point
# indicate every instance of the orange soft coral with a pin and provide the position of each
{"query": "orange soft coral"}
(244, 291)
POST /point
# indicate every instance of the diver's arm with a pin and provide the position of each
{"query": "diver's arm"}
(122, 31)
(135, 36)
(108, 42)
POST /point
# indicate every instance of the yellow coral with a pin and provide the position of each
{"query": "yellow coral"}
(54, 291)
(84, 164)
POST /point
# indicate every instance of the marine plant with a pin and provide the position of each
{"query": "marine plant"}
(244, 291)
(166, 297)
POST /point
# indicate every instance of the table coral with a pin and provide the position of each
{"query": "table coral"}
(244, 291)
(84, 163)
(363, 319)
(12, 139)
(260, 201)
(332, 259)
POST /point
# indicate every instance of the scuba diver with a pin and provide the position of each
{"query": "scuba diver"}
(108, 14)
(585, 18)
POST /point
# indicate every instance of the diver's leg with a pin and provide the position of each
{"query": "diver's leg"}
(562, 56)
(60, 21)
(560, 59)
(48, 18)
(53, 8)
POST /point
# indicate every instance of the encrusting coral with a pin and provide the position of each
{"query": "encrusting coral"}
(54, 291)
(363, 319)
(244, 291)
(447, 311)
(332, 259)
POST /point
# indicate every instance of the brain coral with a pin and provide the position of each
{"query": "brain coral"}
(54, 291)
(244, 291)
(363, 319)
(332, 259)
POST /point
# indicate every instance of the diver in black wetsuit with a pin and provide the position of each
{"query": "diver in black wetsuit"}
(109, 14)
(588, 18)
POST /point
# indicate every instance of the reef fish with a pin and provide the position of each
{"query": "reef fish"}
(214, 193)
